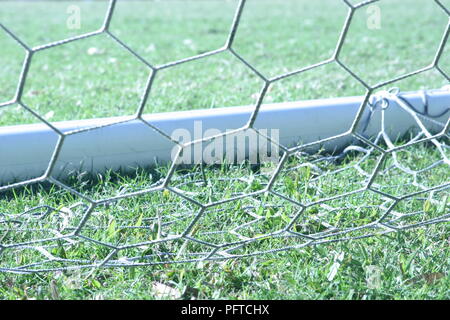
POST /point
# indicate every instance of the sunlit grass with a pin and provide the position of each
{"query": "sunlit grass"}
(73, 82)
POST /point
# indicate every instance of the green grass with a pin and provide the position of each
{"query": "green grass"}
(409, 262)
(67, 83)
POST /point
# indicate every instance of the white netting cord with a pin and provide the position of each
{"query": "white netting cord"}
(191, 215)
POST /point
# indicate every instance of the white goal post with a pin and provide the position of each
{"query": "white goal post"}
(126, 145)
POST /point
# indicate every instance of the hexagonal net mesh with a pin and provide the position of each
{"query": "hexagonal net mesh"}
(171, 214)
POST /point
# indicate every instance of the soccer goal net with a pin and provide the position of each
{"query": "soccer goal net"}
(138, 133)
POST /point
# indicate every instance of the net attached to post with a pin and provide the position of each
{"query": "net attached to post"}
(376, 184)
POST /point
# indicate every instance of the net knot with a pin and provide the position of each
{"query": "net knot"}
(381, 98)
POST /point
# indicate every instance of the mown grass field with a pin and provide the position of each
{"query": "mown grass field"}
(97, 78)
